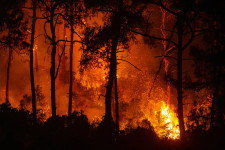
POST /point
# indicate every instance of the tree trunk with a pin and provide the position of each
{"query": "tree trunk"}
(31, 63)
(112, 75)
(215, 100)
(108, 112)
(117, 104)
(116, 27)
(52, 70)
(213, 109)
(35, 53)
(71, 64)
(179, 78)
(7, 79)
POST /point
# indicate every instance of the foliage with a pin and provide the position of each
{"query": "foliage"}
(13, 25)
(99, 37)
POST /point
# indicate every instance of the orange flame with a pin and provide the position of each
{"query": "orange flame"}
(169, 123)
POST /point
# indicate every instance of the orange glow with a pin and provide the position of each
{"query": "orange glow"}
(35, 47)
(89, 87)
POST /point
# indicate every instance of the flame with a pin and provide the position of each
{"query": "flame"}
(168, 123)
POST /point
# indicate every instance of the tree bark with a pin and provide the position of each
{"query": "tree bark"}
(179, 78)
(32, 63)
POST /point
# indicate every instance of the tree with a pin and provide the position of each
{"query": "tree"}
(34, 110)
(121, 17)
(51, 13)
(183, 32)
(13, 30)
(74, 17)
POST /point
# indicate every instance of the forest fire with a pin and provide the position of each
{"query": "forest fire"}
(112, 74)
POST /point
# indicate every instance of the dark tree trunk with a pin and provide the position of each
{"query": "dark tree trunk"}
(112, 75)
(7, 79)
(116, 26)
(117, 104)
(71, 63)
(108, 112)
(31, 63)
(52, 70)
(215, 99)
(179, 78)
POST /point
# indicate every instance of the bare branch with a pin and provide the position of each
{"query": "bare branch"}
(60, 57)
(48, 37)
(78, 35)
(170, 51)
(191, 39)
(166, 57)
(38, 36)
(119, 51)
(156, 38)
(69, 41)
(160, 4)
(171, 36)
(130, 64)
(56, 21)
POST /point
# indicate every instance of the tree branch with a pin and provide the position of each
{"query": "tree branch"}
(69, 41)
(156, 38)
(56, 21)
(191, 39)
(38, 36)
(130, 64)
(60, 57)
(160, 3)
(167, 57)
(48, 37)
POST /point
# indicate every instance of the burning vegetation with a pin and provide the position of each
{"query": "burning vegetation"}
(113, 74)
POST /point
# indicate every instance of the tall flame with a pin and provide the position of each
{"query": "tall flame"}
(169, 123)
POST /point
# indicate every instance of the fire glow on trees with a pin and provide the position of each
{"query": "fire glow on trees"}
(136, 107)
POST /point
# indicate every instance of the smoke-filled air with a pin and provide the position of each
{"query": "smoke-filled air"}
(113, 74)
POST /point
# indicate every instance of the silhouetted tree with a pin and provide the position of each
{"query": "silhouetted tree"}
(51, 14)
(13, 30)
(74, 16)
(121, 16)
(34, 18)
